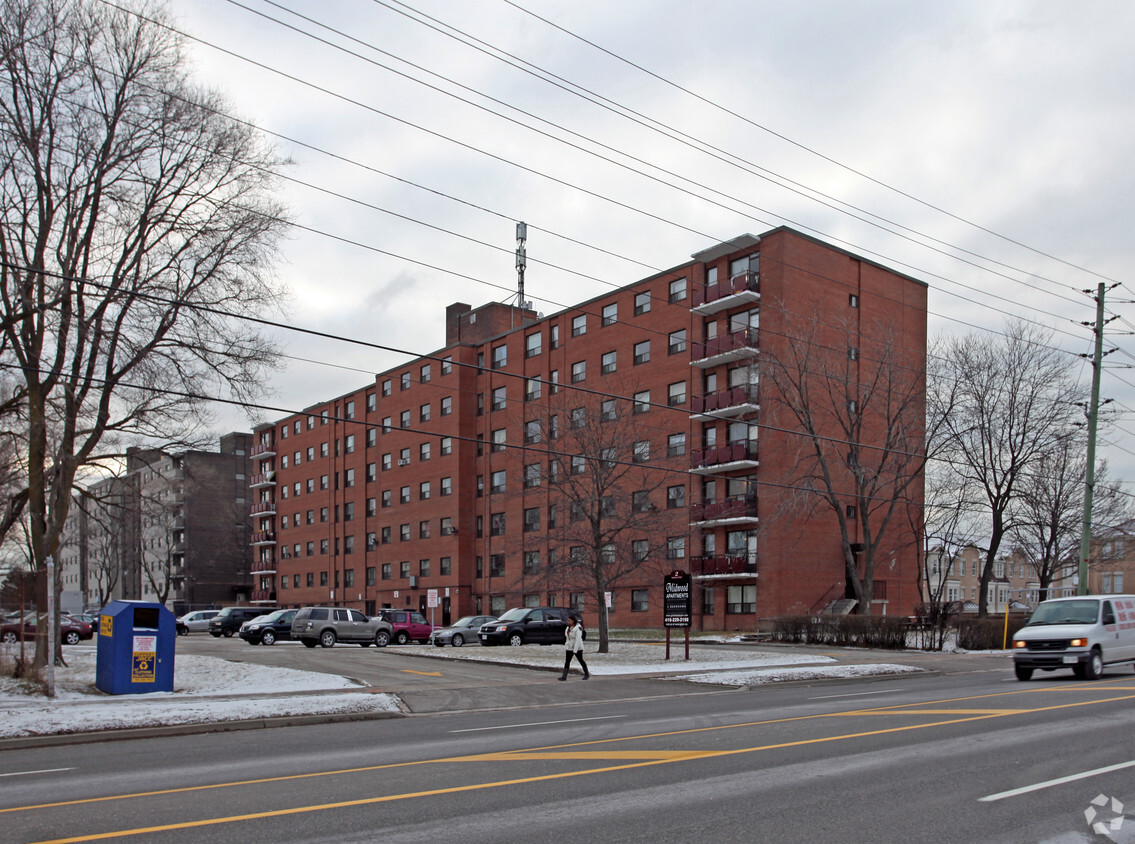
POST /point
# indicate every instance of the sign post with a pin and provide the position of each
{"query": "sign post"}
(677, 592)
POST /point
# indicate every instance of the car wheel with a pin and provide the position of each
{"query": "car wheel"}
(183, 631)
(458, 640)
(9, 638)
(267, 638)
(70, 638)
(1093, 668)
(402, 637)
(309, 643)
(227, 632)
(1023, 673)
(516, 640)
(381, 639)
(327, 639)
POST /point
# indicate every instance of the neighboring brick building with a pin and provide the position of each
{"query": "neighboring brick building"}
(441, 473)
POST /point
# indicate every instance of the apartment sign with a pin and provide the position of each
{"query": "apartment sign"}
(676, 599)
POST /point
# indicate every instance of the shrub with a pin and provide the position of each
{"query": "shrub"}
(863, 631)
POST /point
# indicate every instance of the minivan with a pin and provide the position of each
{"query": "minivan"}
(1085, 633)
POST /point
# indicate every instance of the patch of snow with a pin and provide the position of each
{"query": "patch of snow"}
(756, 678)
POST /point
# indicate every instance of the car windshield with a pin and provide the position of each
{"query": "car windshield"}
(1066, 612)
(515, 614)
(463, 622)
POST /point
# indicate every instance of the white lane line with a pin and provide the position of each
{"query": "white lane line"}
(537, 724)
(27, 773)
(1060, 781)
(857, 694)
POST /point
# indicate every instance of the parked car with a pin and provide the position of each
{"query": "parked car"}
(228, 621)
(88, 618)
(528, 625)
(407, 625)
(70, 632)
(461, 631)
(266, 629)
(325, 626)
(195, 622)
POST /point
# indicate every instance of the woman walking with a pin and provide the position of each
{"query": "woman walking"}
(573, 644)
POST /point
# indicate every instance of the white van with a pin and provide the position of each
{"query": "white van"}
(1084, 633)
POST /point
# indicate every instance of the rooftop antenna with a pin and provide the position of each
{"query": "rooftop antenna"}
(521, 237)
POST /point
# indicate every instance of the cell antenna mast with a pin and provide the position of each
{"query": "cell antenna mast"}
(521, 237)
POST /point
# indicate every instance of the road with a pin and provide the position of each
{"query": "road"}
(959, 758)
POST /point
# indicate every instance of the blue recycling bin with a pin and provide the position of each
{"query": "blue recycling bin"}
(135, 648)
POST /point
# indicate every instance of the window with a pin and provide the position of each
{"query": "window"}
(677, 393)
(675, 445)
(424, 373)
(349, 511)
(447, 526)
(386, 498)
(496, 565)
(499, 439)
(533, 344)
(404, 495)
(404, 532)
(424, 413)
(386, 387)
(446, 365)
(532, 389)
(555, 336)
(446, 405)
(372, 439)
(387, 425)
(531, 562)
(447, 486)
(404, 419)
(608, 363)
(404, 457)
(853, 353)
(575, 513)
(578, 371)
(500, 357)
(642, 401)
(386, 571)
(424, 529)
(641, 303)
(578, 417)
(642, 352)
(445, 564)
(640, 501)
(853, 300)
(423, 490)
(677, 290)
(638, 600)
(423, 568)
(385, 534)
(349, 444)
(532, 475)
(372, 403)
(578, 464)
(404, 382)
(607, 410)
(640, 550)
(497, 524)
(741, 599)
(499, 398)
(641, 451)
(676, 548)
(446, 445)
(578, 325)
(532, 432)
(554, 380)
(424, 451)
(677, 341)
(323, 514)
(497, 481)
(675, 497)
(404, 569)
(531, 519)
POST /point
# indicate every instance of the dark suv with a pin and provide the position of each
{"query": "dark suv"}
(228, 621)
(524, 625)
(325, 626)
(267, 629)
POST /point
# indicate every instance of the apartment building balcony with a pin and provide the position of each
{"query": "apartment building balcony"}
(264, 537)
(724, 458)
(260, 451)
(263, 479)
(262, 596)
(731, 511)
(727, 566)
(263, 567)
(263, 508)
(737, 345)
(726, 404)
(728, 293)
(178, 549)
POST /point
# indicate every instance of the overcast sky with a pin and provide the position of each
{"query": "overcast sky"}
(1016, 118)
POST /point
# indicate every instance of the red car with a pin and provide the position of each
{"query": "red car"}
(407, 625)
(71, 631)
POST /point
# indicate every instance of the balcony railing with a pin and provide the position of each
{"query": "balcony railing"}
(262, 450)
(263, 567)
(730, 508)
(263, 479)
(739, 452)
(262, 508)
(727, 347)
(736, 564)
(263, 537)
(735, 398)
(263, 596)
(717, 297)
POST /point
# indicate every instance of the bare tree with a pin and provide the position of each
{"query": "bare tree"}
(1049, 512)
(610, 487)
(136, 220)
(1016, 400)
(857, 400)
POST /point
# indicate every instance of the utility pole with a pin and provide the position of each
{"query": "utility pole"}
(1090, 474)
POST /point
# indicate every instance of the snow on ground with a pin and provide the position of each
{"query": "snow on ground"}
(206, 689)
(210, 689)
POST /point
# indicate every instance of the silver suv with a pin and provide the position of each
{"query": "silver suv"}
(327, 625)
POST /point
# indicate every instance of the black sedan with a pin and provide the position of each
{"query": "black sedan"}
(267, 629)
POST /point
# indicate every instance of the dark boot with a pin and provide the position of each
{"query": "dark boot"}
(586, 676)
(562, 676)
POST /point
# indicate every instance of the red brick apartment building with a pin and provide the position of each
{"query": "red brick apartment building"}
(449, 473)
